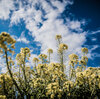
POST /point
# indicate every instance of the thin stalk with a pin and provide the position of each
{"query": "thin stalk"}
(49, 57)
(11, 75)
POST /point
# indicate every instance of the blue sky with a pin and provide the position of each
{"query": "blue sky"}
(34, 24)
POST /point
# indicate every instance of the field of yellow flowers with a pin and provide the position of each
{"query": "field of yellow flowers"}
(47, 80)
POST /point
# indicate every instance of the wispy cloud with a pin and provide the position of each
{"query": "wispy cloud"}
(95, 32)
(22, 38)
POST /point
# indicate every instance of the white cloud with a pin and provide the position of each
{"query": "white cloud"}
(5, 8)
(95, 32)
(22, 38)
(94, 39)
(45, 35)
(91, 54)
(17, 15)
(52, 26)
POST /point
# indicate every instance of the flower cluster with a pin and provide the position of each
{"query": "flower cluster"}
(85, 50)
(48, 79)
(41, 56)
(73, 59)
(50, 50)
(62, 47)
(58, 37)
(23, 55)
(35, 59)
(5, 40)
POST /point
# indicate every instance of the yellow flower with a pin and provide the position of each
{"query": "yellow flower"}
(41, 56)
(27, 68)
(5, 40)
(63, 46)
(78, 69)
(9, 58)
(50, 50)
(73, 62)
(53, 66)
(82, 62)
(84, 50)
(39, 82)
(59, 96)
(35, 59)
(1, 51)
(25, 50)
(85, 58)
(58, 37)
(19, 58)
(52, 96)
(73, 57)
(5, 34)
(3, 97)
(67, 85)
(53, 88)
(13, 46)
(79, 74)
(11, 62)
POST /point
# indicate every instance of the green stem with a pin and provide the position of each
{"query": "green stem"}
(11, 75)
(62, 61)
(49, 57)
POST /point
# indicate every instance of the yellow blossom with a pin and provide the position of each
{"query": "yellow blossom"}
(3, 97)
(58, 37)
(73, 57)
(62, 47)
(11, 62)
(84, 50)
(82, 62)
(85, 58)
(42, 56)
(35, 59)
(50, 50)
(1, 51)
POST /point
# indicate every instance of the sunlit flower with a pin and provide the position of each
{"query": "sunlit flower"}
(13, 46)
(73, 57)
(50, 50)
(84, 50)
(78, 69)
(67, 85)
(1, 51)
(35, 59)
(62, 47)
(85, 58)
(82, 62)
(2, 97)
(58, 37)
(11, 62)
(25, 50)
(42, 56)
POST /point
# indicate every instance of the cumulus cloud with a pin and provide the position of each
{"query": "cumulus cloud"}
(5, 8)
(43, 19)
(48, 14)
